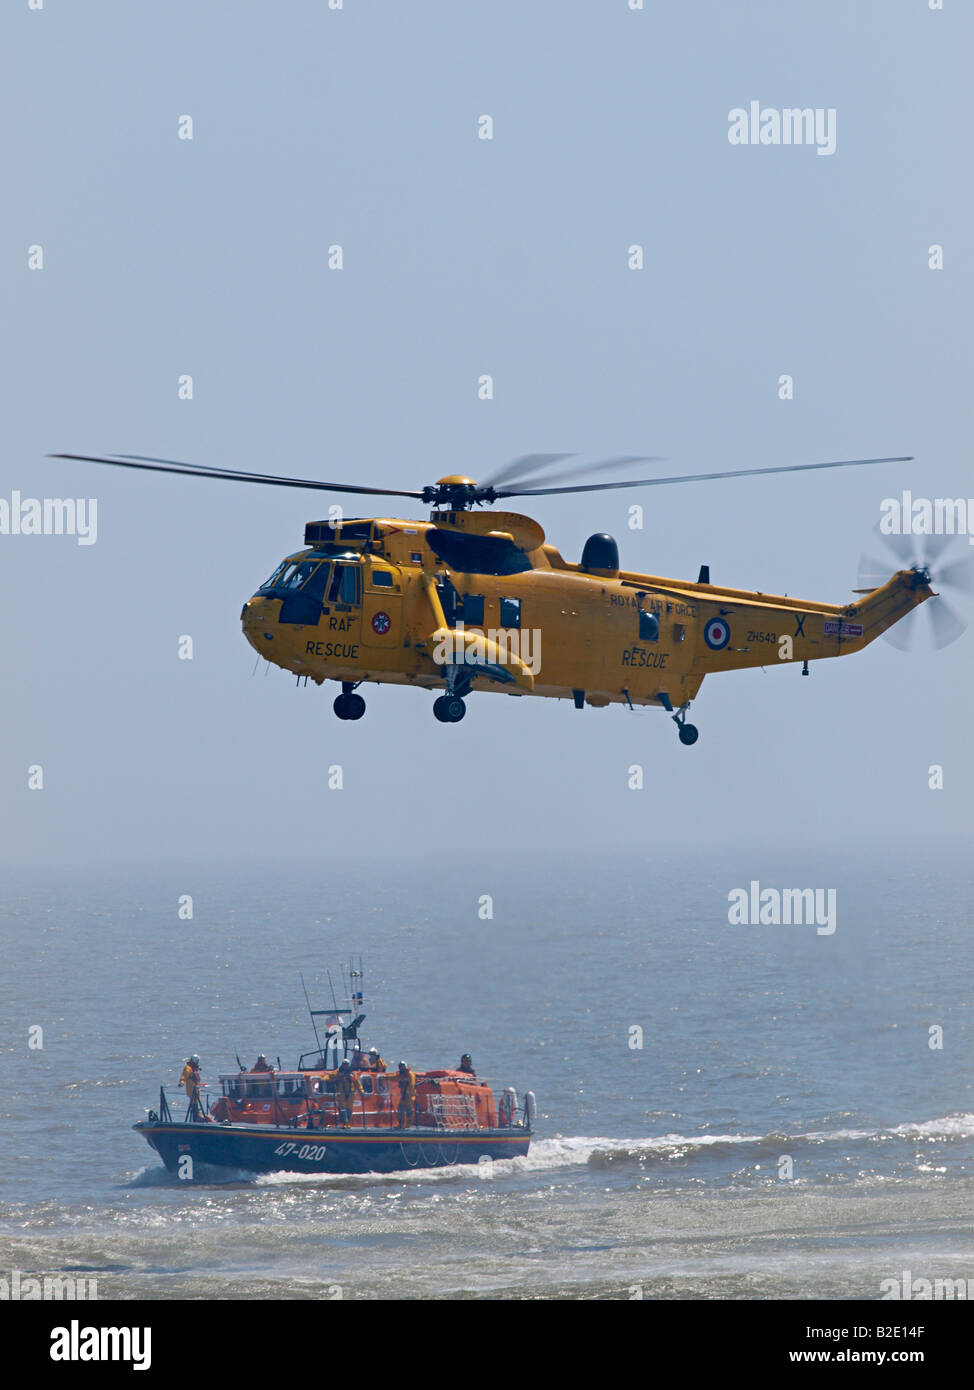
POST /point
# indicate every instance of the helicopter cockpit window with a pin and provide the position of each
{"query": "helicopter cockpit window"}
(276, 576)
(308, 577)
(316, 585)
(297, 575)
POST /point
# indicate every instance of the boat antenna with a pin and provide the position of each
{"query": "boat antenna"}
(333, 999)
(310, 1011)
(357, 995)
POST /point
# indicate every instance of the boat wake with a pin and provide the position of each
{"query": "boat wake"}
(599, 1152)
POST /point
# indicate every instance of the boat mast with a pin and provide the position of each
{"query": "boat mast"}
(310, 1011)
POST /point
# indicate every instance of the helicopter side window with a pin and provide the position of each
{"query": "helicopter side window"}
(344, 587)
(648, 627)
(382, 579)
(510, 612)
(473, 610)
(351, 584)
(449, 600)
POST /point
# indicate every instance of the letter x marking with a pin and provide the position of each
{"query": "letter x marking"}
(800, 624)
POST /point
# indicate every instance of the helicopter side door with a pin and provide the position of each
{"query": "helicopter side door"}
(342, 616)
(382, 609)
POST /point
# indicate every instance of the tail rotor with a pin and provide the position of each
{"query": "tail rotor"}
(925, 557)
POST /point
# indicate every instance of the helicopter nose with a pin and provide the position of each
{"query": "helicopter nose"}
(257, 623)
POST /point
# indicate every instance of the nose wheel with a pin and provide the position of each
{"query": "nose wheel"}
(449, 709)
(348, 705)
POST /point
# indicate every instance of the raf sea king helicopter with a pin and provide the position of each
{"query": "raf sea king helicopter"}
(479, 601)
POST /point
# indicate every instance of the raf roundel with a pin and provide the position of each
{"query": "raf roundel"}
(381, 623)
(716, 634)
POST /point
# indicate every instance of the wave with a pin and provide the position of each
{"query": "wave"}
(668, 1147)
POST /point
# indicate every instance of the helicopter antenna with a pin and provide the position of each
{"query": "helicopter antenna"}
(310, 1011)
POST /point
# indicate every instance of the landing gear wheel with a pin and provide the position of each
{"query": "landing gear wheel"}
(449, 709)
(354, 707)
(688, 733)
(349, 706)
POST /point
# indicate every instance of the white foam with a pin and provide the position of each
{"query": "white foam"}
(563, 1151)
(947, 1127)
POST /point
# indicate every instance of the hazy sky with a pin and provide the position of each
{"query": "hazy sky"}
(462, 256)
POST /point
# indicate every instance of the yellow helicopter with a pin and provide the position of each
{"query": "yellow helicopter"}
(479, 600)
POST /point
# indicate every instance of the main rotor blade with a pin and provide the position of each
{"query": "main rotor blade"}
(700, 477)
(521, 467)
(153, 465)
(624, 461)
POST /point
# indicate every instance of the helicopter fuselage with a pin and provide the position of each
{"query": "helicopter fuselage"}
(421, 603)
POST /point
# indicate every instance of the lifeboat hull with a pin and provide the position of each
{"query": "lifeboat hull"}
(272, 1149)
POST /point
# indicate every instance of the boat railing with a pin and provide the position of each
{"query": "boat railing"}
(195, 1108)
(442, 1111)
(452, 1112)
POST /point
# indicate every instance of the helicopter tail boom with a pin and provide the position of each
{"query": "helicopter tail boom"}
(735, 635)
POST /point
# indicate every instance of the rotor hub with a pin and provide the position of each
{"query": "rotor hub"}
(457, 492)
